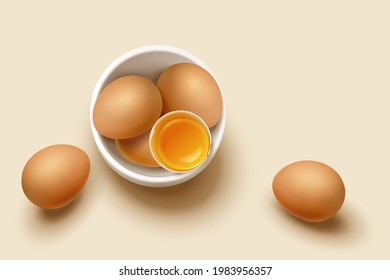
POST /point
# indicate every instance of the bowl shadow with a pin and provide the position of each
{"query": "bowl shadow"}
(183, 196)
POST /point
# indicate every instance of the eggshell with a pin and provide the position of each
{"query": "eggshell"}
(54, 176)
(137, 150)
(189, 87)
(127, 107)
(309, 190)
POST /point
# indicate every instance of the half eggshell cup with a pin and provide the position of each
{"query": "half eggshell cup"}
(180, 141)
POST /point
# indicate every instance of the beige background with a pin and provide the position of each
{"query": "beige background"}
(302, 80)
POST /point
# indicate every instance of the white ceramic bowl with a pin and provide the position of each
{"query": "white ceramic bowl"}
(149, 62)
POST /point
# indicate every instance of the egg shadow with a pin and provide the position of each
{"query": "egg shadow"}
(345, 226)
(51, 223)
(56, 215)
(179, 197)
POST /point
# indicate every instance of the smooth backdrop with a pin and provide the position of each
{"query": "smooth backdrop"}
(302, 80)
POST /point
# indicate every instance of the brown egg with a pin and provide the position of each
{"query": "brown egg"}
(309, 190)
(137, 150)
(54, 176)
(127, 107)
(189, 87)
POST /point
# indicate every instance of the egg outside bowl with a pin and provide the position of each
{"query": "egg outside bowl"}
(150, 62)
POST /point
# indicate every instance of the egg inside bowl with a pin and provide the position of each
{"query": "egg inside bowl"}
(149, 62)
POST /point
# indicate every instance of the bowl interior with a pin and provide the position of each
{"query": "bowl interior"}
(149, 63)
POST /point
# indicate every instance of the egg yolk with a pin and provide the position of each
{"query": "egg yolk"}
(182, 144)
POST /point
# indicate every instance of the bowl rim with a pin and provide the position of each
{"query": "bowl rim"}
(144, 180)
